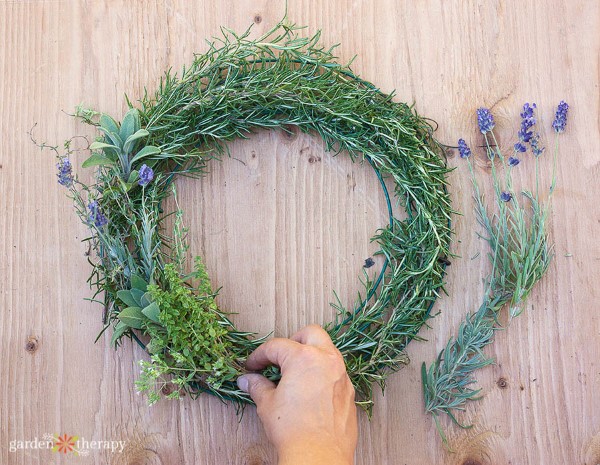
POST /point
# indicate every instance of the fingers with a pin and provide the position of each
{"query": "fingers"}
(276, 351)
(256, 385)
(273, 352)
(313, 335)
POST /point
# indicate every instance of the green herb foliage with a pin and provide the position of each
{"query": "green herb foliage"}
(519, 254)
(190, 344)
(278, 80)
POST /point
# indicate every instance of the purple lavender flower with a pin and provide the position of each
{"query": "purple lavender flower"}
(513, 161)
(525, 135)
(506, 196)
(560, 121)
(527, 112)
(463, 149)
(535, 145)
(65, 172)
(96, 217)
(520, 147)
(485, 120)
(527, 122)
(146, 175)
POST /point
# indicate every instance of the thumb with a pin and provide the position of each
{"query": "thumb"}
(256, 385)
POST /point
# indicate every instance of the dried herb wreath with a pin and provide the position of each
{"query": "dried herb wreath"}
(275, 81)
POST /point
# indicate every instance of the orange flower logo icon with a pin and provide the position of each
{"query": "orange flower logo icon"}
(64, 443)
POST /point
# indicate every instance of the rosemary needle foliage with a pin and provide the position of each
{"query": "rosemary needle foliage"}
(519, 253)
(279, 80)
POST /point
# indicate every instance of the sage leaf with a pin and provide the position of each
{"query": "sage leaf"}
(132, 317)
(97, 160)
(145, 152)
(120, 329)
(130, 124)
(146, 299)
(138, 282)
(137, 295)
(152, 311)
(96, 145)
(108, 123)
(127, 298)
(112, 137)
(133, 139)
(133, 176)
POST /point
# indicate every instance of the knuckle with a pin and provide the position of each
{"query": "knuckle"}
(335, 362)
(338, 354)
(270, 344)
(315, 328)
(307, 353)
(337, 357)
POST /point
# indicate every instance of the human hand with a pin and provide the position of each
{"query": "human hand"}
(310, 416)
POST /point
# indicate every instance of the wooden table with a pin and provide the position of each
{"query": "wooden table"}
(282, 224)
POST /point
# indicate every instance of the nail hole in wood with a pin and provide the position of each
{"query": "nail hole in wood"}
(32, 344)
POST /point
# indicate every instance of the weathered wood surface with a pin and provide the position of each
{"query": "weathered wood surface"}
(282, 224)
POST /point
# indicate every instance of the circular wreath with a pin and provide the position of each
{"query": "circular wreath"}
(276, 81)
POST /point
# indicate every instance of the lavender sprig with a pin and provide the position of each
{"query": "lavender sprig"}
(463, 149)
(65, 172)
(146, 175)
(520, 147)
(96, 217)
(527, 122)
(513, 161)
(485, 120)
(560, 121)
(520, 254)
(536, 148)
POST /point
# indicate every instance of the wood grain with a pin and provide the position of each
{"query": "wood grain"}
(282, 224)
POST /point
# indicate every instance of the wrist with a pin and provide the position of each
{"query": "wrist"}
(313, 451)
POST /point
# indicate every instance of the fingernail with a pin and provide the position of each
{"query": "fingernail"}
(242, 383)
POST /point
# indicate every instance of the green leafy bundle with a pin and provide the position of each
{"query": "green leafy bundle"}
(519, 254)
(240, 84)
